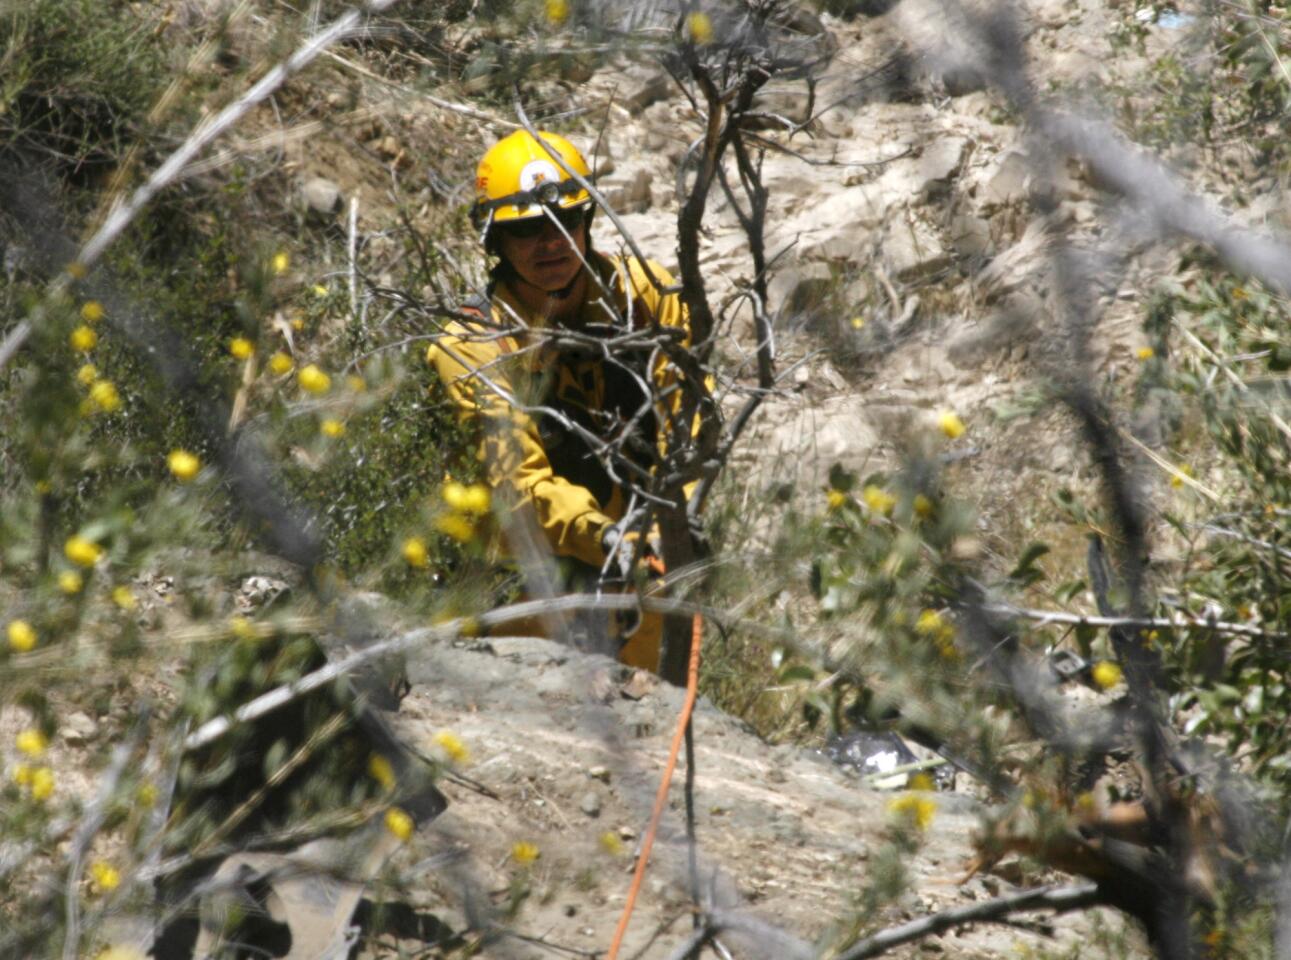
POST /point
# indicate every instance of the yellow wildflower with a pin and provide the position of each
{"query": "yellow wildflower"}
(1145, 353)
(951, 425)
(476, 499)
(414, 552)
(31, 742)
(921, 781)
(91, 311)
(524, 853)
(557, 11)
(381, 770)
(1176, 480)
(82, 552)
(106, 877)
(923, 507)
(1106, 674)
(452, 745)
(243, 628)
(70, 582)
(183, 465)
(611, 843)
(22, 637)
(280, 363)
(836, 499)
(858, 322)
(700, 28)
(929, 623)
(356, 383)
(146, 794)
(241, 347)
(454, 494)
(42, 783)
(280, 262)
(878, 499)
(914, 809)
(332, 427)
(83, 339)
(320, 290)
(313, 379)
(124, 598)
(22, 774)
(399, 823)
(455, 526)
(105, 397)
(87, 374)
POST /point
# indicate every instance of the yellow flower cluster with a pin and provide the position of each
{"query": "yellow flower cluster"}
(313, 380)
(557, 11)
(913, 809)
(525, 853)
(241, 347)
(70, 582)
(1145, 353)
(22, 638)
(611, 843)
(91, 311)
(474, 499)
(280, 363)
(106, 877)
(415, 553)
(332, 427)
(878, 500)
(382, 771)
(87, 374)
(400, 824)
(104, 396)
(82, 552)
(32, 743)
(280, 263)
(1106, 674)
(83, 339)
(931, 624)
(466, 505)
(836, 499)
(124, 598)
(699, 27)
(950, 424)
(183, 465)
(453, 747)
(38, 781)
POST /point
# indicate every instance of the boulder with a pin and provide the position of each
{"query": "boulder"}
(912, 249)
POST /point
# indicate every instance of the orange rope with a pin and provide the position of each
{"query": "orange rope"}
(661, 798)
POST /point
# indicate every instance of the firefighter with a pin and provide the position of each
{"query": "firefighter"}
(548, 409)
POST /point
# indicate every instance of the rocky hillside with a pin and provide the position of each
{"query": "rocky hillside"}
(911, 225)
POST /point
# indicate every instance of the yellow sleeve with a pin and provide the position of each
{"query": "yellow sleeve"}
(570, 516)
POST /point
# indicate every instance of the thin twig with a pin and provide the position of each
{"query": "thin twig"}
(1060, 899)
(1135, 623)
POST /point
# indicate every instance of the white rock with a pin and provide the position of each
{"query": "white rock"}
(77, 729)
(322, 196)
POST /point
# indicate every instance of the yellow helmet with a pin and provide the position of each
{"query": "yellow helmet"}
(519, 175)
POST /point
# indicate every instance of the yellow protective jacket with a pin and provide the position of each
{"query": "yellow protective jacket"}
(545, 464)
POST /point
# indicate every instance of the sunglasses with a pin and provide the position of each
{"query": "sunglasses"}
(531, 227)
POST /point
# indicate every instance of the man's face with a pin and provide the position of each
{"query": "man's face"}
(539, 252)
